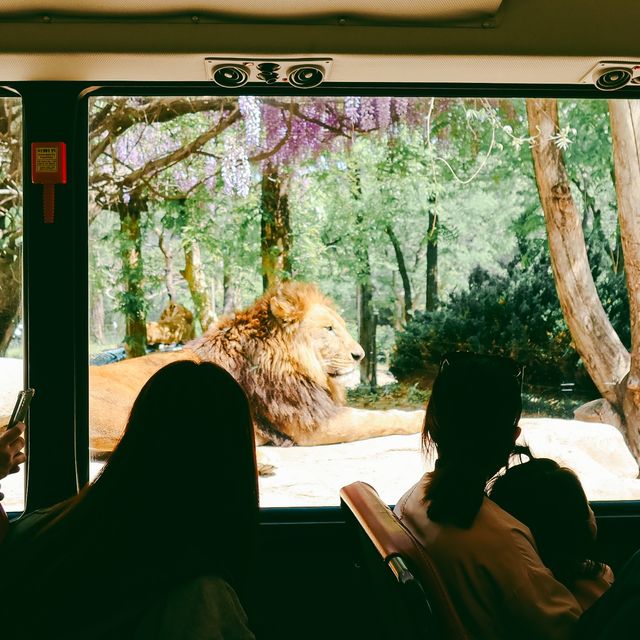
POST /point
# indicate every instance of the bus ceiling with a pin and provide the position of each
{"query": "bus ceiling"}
(391, 41)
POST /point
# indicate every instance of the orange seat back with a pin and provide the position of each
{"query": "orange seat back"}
(410, 571)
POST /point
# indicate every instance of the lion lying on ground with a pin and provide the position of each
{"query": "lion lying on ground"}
(287, 351)
(175, 326)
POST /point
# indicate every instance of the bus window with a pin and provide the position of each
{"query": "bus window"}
(11, 346)
(385, 231)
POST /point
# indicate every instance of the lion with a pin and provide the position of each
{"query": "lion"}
(175, 326)
(288, 351)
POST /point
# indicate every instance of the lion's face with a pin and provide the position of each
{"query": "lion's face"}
(326, 333)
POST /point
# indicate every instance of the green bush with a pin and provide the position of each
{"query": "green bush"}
(515, 314)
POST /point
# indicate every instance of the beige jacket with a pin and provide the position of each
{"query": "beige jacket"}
(493, 573)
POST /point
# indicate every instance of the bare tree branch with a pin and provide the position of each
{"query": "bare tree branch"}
(120, 115)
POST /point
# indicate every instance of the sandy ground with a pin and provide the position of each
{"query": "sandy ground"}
(312, 476)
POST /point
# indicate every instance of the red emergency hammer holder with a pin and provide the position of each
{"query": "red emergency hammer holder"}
(48, 168)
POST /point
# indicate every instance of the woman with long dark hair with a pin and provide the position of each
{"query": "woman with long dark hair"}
(163, 536)
(487, 559)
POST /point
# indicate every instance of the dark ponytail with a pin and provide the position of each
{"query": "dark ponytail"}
(471, 420)
(455, 494)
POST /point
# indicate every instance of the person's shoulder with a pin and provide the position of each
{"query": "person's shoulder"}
(413, 498)
(209, 587)
(499, 530)
(502, 519)
(205, 606)
(28, 525)
(211, 592)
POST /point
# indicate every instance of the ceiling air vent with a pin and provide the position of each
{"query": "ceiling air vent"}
(301, 73)
(613, 75)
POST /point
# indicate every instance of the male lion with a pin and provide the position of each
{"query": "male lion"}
(287, 351)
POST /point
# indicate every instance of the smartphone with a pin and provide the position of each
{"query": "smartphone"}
(21, 407)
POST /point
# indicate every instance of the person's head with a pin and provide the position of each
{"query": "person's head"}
(189, 444)
(183, 477)
(472, 421)
(177, 499)
(550, 500)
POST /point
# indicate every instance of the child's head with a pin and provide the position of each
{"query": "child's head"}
(550, 500)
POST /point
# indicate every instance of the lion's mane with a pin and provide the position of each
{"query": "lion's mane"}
(264, 348)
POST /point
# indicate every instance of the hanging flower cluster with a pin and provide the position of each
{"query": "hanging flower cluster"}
(384, 113)
(252, 116)
(368, 114)
(294, 132)
(401, 107)
(139, 145)
(235, 168)
(352, 108)
(294, 137)
(210, 168)
(184, 177)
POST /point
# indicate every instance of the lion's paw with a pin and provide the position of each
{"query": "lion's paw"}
(265, 467)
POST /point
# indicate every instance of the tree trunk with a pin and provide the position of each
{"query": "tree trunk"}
(10, 297)
(97, 316)
(133, 304)
(275, 229)
(597, 343)
(229, 291)
(402, 268)
(169, 271)
(625, 131)
(364, 288)
(432, 256)
(194, 274)
(367, 334)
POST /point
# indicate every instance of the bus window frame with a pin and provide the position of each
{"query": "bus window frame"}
(59, 447)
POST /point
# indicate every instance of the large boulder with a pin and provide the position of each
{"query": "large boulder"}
(596, 452)
(599, 410)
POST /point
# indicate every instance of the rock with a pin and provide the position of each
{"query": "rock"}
(599, 410)
(596, 452)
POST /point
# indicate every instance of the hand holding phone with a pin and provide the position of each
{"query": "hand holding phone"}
(21, 407)
(11, 441)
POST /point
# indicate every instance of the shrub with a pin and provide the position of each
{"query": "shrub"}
(515, 314)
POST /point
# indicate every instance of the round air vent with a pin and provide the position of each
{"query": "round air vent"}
(305, 76)
(230, 76)
(613, 78)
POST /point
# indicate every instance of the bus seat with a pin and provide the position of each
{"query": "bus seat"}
(411, 598)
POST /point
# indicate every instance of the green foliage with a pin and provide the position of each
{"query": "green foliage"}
(395, 395)
(516, 314)
(466, 159)
(535, 402)
(545, 403)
